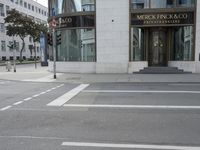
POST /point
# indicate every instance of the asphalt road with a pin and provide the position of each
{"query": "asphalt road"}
(103, 116)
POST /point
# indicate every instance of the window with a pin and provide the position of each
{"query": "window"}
(185, 3)
(2, 10)
(139, 4)
(77, 45)
(32, 8)
(36, 9)
(69, 6)
(3, 45)
(25, 4)
(10, 43)
(29, 6)
(2, 27)
(21, 2)
(88, 7)
(17, 46)
(16, 1)
(182, 43)
(142, 4)
(12, 0)
(7, 9)
(137, 44)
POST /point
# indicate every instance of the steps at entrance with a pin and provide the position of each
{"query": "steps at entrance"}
(162, 70)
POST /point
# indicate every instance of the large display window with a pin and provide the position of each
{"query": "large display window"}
(77, 45)
(57, 7)
(75, 20)
(137, 44)
(182, 43)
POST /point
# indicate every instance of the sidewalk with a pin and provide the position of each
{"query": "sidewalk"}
(28, 72)
(137, 78)
(24, 72)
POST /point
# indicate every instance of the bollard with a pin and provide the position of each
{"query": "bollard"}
(8, 66)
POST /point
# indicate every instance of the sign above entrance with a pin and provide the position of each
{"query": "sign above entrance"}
(75, 21)
(164, 19)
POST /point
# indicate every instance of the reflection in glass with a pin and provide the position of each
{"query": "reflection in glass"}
(70, 6)
(142, 4)
(139, 4)
(183, 44)
(162, 3)
(77, 45)
(137, 44)
(185, 3)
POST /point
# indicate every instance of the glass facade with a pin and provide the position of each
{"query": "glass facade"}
(183, 44)
(78, 43)
(162, 36)
(137, 44)
(70, 6)
(146, 4)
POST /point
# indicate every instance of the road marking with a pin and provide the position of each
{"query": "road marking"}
(4, 82)
(184, 84)
(5, 108)
(124, 91)
(33, 137)
(60, 85)
(106, 145)
(27, 99)
(67, 96)
(43, 93)
(36, 95)
(49, 90)
(133, 106)
(17, 103)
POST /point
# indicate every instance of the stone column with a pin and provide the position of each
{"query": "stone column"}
(112, 31)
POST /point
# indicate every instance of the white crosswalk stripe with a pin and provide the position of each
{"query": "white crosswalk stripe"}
(67, 96)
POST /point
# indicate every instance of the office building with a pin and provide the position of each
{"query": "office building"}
(26, 7)
(124, 36)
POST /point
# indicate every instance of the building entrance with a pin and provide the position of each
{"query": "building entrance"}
(157, 47)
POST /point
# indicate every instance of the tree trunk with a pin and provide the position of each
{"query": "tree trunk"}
(21, 51)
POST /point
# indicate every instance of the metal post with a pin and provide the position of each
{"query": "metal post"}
(14, 54)
(35, 54)
(54, 53)
(14, 49)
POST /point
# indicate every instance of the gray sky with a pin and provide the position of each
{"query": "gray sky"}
(43, 2)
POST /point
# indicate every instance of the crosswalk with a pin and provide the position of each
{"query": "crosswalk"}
(4, 82)
(77, 98)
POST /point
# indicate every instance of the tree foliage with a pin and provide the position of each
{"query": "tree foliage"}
(22, 26)
(18, 24)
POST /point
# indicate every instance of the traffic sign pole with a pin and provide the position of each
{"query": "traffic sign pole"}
(53, 26)
(54, 53)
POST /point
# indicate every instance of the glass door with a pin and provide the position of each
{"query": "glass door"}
(157, 49)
